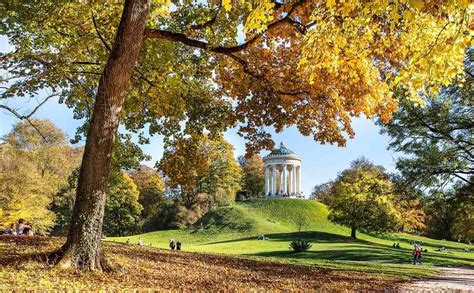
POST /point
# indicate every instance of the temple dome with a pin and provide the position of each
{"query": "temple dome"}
(281, 151)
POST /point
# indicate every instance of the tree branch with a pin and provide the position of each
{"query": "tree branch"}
(207, 23)
(184, 39)
(27, 117)
(99, 35)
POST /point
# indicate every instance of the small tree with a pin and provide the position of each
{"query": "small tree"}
(408, 200)
(301, 222)
(35, 160)
(300, 245)
(362, 199)
(201, 164)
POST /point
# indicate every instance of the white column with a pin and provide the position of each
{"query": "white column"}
(299, 179)
(283, 179)
(293, 182)
(267, 181)
(290, 180)
(295, 189)
(274, 177)
(293, 179)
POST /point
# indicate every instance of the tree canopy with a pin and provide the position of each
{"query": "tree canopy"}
(201, 165)
(313, 64)
(437, 138)
(362, 199)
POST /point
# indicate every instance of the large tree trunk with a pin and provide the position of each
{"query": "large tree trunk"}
(82, 249)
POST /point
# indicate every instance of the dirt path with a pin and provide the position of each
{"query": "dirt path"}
(450, 280)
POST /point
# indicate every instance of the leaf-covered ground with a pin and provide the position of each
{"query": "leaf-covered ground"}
(22, 266)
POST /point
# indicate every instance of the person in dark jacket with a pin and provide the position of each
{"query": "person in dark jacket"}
(172, 244)
(178, 245)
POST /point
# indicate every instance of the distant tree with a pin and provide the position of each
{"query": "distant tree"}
(301, 222)
(63, 205)
(200, 164)
(463, 226)
(409, 203)
(441, 215)
(437, 137)
(122, 209)
(23, 193)
(322, 192)
(47, 147)
(362, 199)
(151, 189)
(36, 160)
(253, 176)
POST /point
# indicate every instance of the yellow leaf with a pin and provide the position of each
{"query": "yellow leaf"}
(408, 15)
(226, 4)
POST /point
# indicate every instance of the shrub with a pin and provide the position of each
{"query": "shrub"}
(300, 245)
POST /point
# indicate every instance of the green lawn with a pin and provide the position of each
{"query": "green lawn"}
(234, 229)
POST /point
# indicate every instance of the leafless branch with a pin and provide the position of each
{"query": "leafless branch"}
(27, 117)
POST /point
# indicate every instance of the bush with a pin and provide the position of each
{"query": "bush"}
(300, 245)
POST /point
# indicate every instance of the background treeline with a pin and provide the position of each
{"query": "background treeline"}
(39, 170)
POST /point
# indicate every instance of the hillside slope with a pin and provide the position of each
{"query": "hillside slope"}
(234, 230)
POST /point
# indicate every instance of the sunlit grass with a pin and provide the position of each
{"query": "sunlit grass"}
(233, 230)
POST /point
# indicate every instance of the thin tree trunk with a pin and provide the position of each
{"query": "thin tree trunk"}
(82, 249)
(353, 233)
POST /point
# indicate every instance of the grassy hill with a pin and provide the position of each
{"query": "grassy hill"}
(234, 229)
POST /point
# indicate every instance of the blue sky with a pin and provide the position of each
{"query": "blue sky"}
(320, 162)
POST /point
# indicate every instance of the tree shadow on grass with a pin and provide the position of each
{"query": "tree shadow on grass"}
(426, 243)
(313, 236)
(364, 253)
(223, 219)
(348, 253)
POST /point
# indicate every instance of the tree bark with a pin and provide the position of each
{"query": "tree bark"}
(82, 249)
(353, 233)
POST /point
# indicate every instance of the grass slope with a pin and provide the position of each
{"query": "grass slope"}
(234, 229)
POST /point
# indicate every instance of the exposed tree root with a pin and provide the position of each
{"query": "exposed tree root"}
(68, 258)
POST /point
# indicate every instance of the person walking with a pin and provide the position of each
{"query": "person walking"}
(178, 245)
(172, 244)
(416, 255)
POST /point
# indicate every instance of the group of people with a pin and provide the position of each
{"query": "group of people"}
(174, 245)
(417, 251)
(21, 228)
(262, 237)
